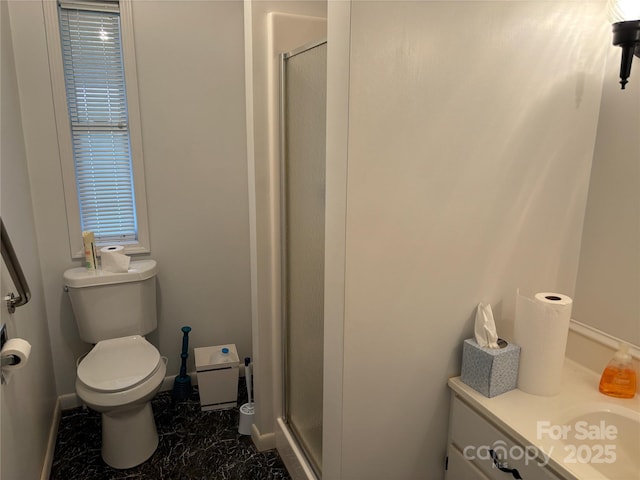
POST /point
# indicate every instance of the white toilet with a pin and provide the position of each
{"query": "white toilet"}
(123, 371)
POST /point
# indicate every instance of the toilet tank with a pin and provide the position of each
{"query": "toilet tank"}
(111, 305)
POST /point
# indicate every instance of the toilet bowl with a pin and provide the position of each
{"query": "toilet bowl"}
(118, 378)
(123, 371)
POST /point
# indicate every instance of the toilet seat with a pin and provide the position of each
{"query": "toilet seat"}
(119, 364)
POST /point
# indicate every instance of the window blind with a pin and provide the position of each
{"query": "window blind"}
(97, 105)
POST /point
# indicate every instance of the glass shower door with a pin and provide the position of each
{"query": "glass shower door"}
(303, 172)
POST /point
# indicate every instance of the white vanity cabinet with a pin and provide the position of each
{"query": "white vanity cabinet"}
(578, 434)
(474, 442)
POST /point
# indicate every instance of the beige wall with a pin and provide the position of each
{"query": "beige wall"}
(471, 130)
(28, 401)
(190, 57)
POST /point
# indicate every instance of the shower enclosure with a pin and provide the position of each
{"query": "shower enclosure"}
(303, 113)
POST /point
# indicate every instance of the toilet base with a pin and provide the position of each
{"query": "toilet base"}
(129, 437)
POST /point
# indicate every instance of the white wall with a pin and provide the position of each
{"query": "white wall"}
(471, 130)
(28, 401)
(608, 284)
(191, 84)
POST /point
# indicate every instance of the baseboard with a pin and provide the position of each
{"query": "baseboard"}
(262, 442)
(69, 401)
(51, 442)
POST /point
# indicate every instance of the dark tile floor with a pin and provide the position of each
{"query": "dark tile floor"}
(193, 445)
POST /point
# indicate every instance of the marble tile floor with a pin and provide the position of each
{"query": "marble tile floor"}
(194, 445)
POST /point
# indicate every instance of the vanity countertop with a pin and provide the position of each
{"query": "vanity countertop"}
(583, 433)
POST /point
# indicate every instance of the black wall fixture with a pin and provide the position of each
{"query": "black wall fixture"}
(625, 16)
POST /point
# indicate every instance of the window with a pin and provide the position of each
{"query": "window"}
(95, 95)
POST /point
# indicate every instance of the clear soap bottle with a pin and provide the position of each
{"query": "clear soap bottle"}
(619, 377)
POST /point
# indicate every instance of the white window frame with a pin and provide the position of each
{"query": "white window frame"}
(64, 129)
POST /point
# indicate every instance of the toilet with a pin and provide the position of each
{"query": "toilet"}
(123, 371)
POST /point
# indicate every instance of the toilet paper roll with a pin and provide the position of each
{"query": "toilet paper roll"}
(114, 260)
(19, 348)
(541, 329)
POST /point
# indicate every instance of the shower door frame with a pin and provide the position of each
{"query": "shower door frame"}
(283, 235)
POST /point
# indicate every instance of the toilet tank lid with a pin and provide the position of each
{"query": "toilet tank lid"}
(138, 271)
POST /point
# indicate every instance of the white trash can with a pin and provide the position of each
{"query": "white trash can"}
(218, 369)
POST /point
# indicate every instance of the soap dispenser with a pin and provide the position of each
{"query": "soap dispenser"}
(619, 378)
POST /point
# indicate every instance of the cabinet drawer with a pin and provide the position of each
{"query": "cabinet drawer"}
(475, 437)
(458, 468)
